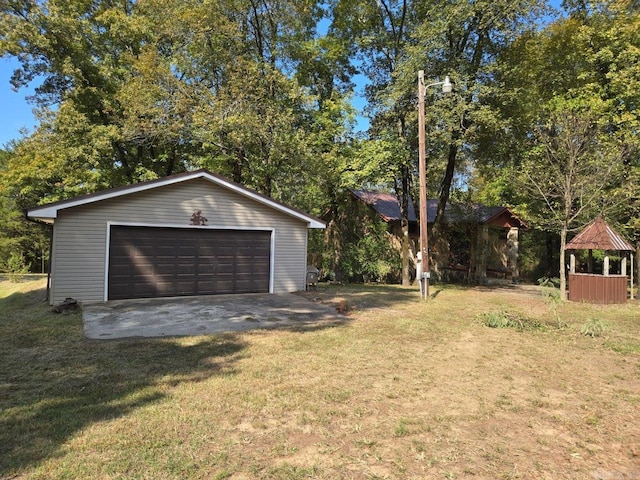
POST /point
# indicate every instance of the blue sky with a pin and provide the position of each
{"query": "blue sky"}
(15, 112)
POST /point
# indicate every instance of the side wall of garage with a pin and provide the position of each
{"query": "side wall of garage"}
(80, 233)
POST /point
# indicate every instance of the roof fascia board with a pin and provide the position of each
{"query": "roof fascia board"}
(507, 210)
(312, 221)
(48, 213)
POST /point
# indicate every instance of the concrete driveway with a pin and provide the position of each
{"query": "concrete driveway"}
(160, 317)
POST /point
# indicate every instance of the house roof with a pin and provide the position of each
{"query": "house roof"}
(387, 206)
(598, 235)
(49, 212)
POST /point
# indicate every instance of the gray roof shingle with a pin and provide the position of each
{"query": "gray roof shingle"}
(387, 206)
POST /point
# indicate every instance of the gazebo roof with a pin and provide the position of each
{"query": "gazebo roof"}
(598, 235)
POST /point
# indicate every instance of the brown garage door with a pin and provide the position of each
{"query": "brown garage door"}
(149, 262)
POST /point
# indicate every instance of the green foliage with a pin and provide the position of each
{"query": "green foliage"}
(16, 267)
(549, 285)
(552, 296)
(503, 319)
(144, 90)
(594, 327)
(498, 319)
(566, 131)
(358, 245)
(376, 258)
(19, 238)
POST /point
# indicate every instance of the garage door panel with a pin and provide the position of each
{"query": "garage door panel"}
(164, 251)
(224, 286)
(186, 288)
(206, 269)
(151, 262)
(186, 268)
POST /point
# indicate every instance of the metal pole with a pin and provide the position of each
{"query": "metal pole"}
(422, 173)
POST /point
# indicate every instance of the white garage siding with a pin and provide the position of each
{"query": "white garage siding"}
(80, 233)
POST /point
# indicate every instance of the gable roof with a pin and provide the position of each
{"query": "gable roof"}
(387, 206)
(49, 212)
(598, 235)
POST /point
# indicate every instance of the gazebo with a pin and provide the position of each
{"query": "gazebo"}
(608, 286)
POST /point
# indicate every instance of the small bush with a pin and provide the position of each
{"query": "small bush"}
(16, 268)
(551, 295)
(594, 327)
(497, 320)
(549, 282)
(502, 319)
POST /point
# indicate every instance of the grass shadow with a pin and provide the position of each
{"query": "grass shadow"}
(54, 382)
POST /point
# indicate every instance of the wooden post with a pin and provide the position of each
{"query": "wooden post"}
(572, 263)
(631, 293)
(422, 173)
(512, 244)
(605, 266)
(483, 252)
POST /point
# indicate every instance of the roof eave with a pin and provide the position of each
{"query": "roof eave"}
(49, 213)
(502, 210)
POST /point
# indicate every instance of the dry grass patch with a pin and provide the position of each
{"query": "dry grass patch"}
(401, 389)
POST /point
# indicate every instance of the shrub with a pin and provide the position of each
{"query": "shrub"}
(497, 320)
(551, 295)
(594, 327)
(502, 319)
(16, 267)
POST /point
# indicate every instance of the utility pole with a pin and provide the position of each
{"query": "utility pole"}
(422, 173)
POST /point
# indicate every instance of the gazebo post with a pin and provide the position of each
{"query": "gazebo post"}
(572, 263)
(631, 271)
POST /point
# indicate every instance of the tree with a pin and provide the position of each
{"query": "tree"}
(377, 33)
(22, 243)
(147, 89)
(464, 40)
(396, 39)
(572, 166)
(576, 78)
(133, 91)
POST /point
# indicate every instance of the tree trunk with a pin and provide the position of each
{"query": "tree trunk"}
(549, 264)
(637, 259)
(440, 243)
(563, 270)
(403, 199)
(445, 188)
(404, 211)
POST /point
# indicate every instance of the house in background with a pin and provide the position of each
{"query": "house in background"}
(480, 241)
(193, 233)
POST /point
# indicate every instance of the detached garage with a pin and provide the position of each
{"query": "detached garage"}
(194, 233)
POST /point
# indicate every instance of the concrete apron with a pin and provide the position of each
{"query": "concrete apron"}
(161, 317)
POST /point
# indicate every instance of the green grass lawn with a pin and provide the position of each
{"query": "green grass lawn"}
(398, 389)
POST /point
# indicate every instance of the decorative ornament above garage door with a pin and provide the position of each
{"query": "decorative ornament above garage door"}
(198, 219)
